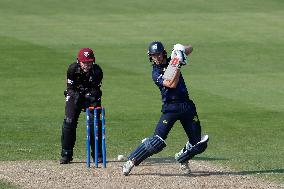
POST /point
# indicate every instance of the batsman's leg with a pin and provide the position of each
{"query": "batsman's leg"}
(150, 146)
(196, 144)
(189, 151)
(185, 167)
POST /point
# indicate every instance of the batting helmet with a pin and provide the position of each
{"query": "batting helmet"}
(86, 55)
(156, 47)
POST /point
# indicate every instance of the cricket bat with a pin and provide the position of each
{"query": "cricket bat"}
(171, 69)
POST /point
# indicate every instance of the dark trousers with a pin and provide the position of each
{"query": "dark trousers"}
(73, 107)
(186, 113)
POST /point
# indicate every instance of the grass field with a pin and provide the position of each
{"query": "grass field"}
(236, 76)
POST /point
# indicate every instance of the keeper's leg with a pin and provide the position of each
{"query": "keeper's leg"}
(68, 137)
(99, 134)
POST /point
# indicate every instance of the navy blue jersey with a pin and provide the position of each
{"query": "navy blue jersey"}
(178, 94)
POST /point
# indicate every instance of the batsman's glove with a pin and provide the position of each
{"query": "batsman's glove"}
(178, 59)
(178, 52)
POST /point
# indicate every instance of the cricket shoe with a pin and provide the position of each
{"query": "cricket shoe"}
(185, 167)
(65, 160)
(100, 157)
(126, 168)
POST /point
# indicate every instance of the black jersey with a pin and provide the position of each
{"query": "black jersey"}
(79, 81)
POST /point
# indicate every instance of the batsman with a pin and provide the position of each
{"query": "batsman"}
(84, 79)
(176, 105)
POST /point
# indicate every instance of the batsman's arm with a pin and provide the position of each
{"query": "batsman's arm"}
(174, 81)
(188, 49)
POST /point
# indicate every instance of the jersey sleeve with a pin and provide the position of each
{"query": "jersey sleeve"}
(157, 78)
(99, 76)
(70, 80)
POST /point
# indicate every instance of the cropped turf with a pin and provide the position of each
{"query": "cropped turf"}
(235, 78)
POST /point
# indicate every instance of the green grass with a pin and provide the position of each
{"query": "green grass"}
(235, 79)
(5, 185)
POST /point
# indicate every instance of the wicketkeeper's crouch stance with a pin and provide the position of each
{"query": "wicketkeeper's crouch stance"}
(84, 79)
(176, 106)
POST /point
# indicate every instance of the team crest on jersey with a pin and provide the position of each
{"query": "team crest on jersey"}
(67, 98)
(86, 54)
(195, 119)
(165, 122)
(69, 81)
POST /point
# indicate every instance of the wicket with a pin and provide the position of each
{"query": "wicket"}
(97, 118)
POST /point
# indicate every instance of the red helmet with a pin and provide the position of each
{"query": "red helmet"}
(86, 55)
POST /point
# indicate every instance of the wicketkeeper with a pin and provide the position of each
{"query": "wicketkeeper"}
(177, 105)
(84, 79)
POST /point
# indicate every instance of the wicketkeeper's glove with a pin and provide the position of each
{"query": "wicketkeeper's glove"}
(93, 96)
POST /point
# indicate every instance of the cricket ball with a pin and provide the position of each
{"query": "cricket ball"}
(120, 157)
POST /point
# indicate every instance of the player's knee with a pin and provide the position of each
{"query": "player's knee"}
(69, 124)
(154, 144)
(149, 146)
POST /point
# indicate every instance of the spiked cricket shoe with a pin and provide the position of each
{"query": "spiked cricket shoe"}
(127, 167)
(185, 167)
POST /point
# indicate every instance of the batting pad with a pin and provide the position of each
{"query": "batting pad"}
(189, 151)
(150, 146)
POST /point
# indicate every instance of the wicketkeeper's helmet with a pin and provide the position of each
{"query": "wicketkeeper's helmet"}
(156, 47)
(86, 55)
